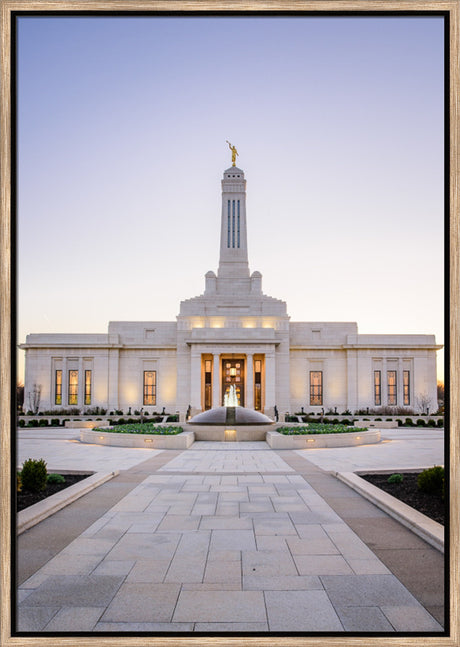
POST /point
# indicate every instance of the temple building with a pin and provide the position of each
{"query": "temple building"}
(232, 334)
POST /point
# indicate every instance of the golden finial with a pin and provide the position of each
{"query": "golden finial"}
(234, 152)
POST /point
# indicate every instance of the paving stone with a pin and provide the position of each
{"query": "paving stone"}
(237, 540)
(145, 546)
(203, 509)
(363, 619)
(224, 556)
(84, 546)
(268, 563)
(273, 525)
(220, 606)
(322, 565)
(178, 523)
(75, 619)
(113, 567)
(367, 590)
(229, 572)
(272, 542)
(75, 591)
(311, 547)
(142, 602)
(305, 611)
(148, 570)
(215, 627)
(34, 618)
(22, 594)
(410, 618)
(281, 583)
(62, 564)
(212, 586)
(256, 507)
(148, 627)
(371, 566)
(225, 523)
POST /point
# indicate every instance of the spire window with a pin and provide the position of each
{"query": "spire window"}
(228, 223)
(238, 219)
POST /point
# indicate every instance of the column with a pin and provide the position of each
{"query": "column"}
(270, 381)
(113, 365)
(195, 382)
(249, 382)
(65, 383)
(216, 380)
(352, 390)
(81, 384)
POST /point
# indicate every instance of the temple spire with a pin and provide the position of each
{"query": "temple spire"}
(233, 260)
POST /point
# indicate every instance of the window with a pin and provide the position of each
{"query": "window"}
(87, 387)
(228, 223)
(377, 388)
(233, 223)
(392, 395)
(207, 384)
(258, 385)
(58, 388)
(150, 387)
(316, 388)
(238, 220)
(406, 388)
(73, 387)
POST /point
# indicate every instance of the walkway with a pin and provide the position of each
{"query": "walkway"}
(226, 537)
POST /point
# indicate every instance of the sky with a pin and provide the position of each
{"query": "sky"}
(122, 129)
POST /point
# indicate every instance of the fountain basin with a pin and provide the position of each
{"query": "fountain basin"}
(224, 424)
(230, 416)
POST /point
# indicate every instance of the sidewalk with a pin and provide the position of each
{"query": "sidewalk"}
(226, 537)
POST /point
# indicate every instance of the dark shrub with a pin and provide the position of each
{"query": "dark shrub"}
(55, 478)
(55, 422)
(440, 422)
(33, 475)
(32, 423)
(400, 422)
(173, 418)
(395, 478)
(409, 422)
(43, 423)
(432, 480)
(21, 423)
(421, 423)
(431, 423)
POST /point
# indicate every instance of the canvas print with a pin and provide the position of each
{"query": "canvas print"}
(230, 306)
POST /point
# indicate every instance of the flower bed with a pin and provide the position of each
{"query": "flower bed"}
(145, 428)
(318, 428)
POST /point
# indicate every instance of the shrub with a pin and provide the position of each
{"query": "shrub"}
(18, 482)
(55, 478)
(21, 423)
(137, 428)
(43, 423)
(55, 422)
(440, 422)
(32, 423)
(173, 418)
(119, 412)
(409, 422)
(33, 475)
(431, 423)
(395, 478)
(400, 422)
(432, 480)
(421, 423)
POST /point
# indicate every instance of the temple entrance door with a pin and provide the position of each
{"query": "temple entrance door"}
(233, 373)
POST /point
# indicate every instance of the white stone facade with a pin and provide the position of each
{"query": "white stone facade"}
(231, 334)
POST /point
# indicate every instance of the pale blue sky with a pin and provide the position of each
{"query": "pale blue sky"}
(122, 125)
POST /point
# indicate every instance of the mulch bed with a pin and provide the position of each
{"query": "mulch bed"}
(25, 499)
(431, 505)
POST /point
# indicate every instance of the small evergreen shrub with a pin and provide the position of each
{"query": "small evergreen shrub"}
(431, 423)
(409, 422)
(33, 475)
(395, 478)
(55, 422)
(55, 478)
(440, 422)
(43, 423)
(432, 480)
(421, 423)
(21, 423)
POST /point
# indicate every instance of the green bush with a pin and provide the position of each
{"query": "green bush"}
(55, 478)
(409, 422)
(440, 422)
(317, 428)
(395, 478)
(432, 480)
(431, 423)
(21, 423)
(137, 428)
(421, 423)
(55, 422)
(43, 423)
(18, 482)
(33, 475)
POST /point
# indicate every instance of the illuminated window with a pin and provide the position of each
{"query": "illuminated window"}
(150, 383)
(258, 385)
(87, 387)
(392, 395)
(316, 388)
(58, 388)
(406, 388)
(207, 384)
(73, 387)
(377, 388)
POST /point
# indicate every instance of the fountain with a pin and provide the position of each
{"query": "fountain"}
(216, 423)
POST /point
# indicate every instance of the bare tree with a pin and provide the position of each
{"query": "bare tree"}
(34, 398)
(423, 402)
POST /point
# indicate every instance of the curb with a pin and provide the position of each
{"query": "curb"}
(431, 531)
(43, 509)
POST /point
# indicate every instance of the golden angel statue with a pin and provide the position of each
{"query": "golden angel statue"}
(234, 152)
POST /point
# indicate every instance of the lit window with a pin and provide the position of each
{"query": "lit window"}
(73, 387)
(257, 385)
(150, 387)
(406, 388)
(58, 388)
(377, 388)
(316, 388)
(392, 395)
(207, 384)
(87, 387)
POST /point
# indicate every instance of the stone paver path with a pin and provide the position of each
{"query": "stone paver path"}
(219, 539)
